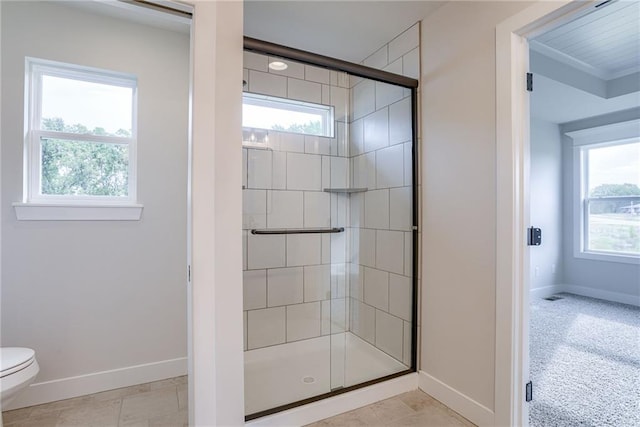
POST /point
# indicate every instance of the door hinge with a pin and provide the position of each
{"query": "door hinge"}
(528, 392)
(530, 82)
(534, 236)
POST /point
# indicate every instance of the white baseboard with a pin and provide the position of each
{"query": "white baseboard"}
(470, 409)
(66, 388)
(586, 292)
(545, 291)
(339, 404)
(601, 294)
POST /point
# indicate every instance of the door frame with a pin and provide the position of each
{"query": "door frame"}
(512, 202)
(214, 200)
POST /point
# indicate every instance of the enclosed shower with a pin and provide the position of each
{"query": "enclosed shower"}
(329, 230)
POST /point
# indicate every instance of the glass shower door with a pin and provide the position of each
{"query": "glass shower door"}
(327, 232)
(376, 211)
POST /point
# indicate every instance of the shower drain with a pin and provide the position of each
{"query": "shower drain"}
(308, 380)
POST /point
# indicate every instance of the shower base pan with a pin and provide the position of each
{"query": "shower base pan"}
(286, 373)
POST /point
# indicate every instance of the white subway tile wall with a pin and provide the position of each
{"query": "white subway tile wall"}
(376, 130)
(380, 147)
(284, 209)
(265, 251)
(302, 90)
(303, 321)
(284, 286)
(294, 69)
(404, 43)
(390, 167)
(376, 288)
(389, 330)
(255, 289)
(400, 208)
(317, 282)
(400, 296)
(363, 99)
(316, 74)
(301, 286)
(363, 320)
(394, 67)
(267, 84)
(400, 121)
(303, 249)
(376, 209)
(390, 251)
(266, 327)
(304, 172)
(379, 59)
(254, 209)
(387, 94)
(316, 209)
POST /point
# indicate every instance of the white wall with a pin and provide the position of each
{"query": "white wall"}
(602, 279)
(545, 198)
(459, 203)
(97, 296)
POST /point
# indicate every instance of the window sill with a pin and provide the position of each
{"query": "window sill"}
(599, 256)
(56, 212)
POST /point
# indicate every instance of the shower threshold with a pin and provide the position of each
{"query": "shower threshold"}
(286, 373)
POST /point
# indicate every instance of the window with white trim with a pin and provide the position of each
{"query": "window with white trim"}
(80, 135)
(610, 198)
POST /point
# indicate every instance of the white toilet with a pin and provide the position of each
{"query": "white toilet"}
(19, 369)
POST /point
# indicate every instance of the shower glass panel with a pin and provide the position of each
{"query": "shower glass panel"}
(327, 232)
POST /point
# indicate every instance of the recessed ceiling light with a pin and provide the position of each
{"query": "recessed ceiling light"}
(278, 65)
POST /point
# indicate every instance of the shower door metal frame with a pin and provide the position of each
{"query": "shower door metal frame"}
(268, 48)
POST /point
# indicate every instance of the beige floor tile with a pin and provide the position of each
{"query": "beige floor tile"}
(435, 417)
(178, 419)
(358, 417)
(164, 404)
(134, 423)
(16, 415)
(460, 418)
(151, 404)
(60, 405)
(119, 393)
(169, 382)
(414, 408)
(49, 419)
(419, 400)
(93, 414)
(389, 410)
(183, 397)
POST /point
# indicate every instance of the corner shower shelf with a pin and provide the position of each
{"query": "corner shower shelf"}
(297, 230)
(346, 190)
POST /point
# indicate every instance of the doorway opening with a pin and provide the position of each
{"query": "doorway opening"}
(584, 157)
(515, 207)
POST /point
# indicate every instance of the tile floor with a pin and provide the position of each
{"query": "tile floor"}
(164, 403)
(161, 403)
(414, 408)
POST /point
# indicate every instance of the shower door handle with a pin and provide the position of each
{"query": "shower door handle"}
(298, 230)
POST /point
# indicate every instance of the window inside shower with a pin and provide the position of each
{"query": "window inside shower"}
(328, 236)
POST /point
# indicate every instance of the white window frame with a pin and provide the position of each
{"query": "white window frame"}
(327, 112)
(584, 140)
(38, 206)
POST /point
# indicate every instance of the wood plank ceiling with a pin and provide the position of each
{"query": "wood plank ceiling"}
(605, 43)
